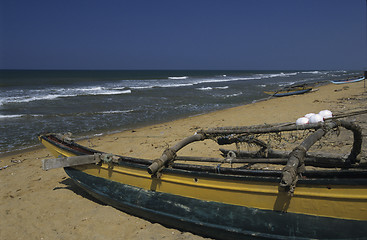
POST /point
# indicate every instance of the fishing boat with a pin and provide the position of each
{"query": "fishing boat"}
(228, 200)
(348, 80)
(289, 91)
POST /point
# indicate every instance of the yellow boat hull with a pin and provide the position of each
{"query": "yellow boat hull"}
(173, 199)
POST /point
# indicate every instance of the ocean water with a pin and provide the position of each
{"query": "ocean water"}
(89, 103)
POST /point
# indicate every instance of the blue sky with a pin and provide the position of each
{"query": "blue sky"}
(190, 34)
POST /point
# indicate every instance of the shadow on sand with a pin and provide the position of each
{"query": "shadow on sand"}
(70, 185)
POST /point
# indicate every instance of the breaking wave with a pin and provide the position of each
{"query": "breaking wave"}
(52, 94)
(178, 78)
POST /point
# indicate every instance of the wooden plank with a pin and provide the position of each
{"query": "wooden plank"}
(48, 164)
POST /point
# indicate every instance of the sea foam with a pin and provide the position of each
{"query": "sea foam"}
(10, 116)
(178, 78)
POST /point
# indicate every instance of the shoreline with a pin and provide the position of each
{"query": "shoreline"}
(116, 131)
(48, 205)
(39, 146)
(143, 125)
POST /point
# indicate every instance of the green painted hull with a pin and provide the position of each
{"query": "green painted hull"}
(213, 219)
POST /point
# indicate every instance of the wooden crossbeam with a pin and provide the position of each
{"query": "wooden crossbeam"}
(48, 164)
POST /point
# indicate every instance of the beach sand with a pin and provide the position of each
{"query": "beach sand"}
(37, 204)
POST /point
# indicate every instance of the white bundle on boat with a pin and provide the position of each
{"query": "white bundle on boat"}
(314, 118)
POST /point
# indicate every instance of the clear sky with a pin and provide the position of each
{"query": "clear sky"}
(189, 34)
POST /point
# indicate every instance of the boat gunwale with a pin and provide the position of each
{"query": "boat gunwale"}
(318, 177)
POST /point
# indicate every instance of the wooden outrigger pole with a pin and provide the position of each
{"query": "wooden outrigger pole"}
(296, 161)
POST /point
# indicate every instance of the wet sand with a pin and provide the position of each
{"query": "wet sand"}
(37, 204)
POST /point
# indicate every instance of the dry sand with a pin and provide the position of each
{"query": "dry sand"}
(36, 204)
